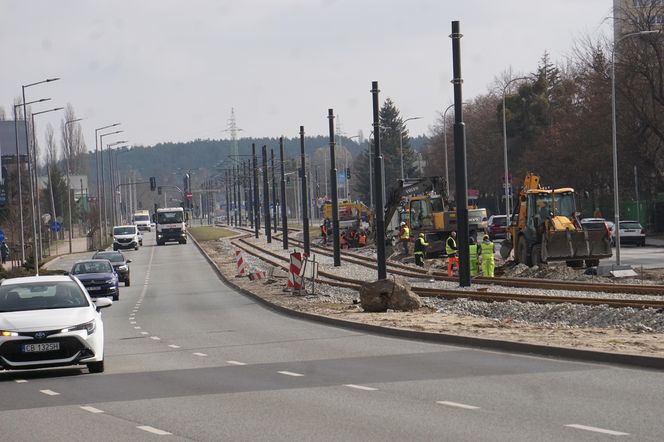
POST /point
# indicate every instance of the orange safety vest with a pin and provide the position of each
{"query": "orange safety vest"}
(363, 240)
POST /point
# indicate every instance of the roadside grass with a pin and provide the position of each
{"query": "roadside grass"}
(210, 233)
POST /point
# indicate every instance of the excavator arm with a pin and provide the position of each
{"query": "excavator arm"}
(410, 187)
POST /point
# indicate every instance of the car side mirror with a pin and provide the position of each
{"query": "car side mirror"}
(66, 273)
(101, 303)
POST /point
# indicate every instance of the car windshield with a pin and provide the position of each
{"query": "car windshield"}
(113, 257)
(630, 225)
(593, 225)
(142, 218)
(96, 266)
(169, 217)
(499, 220)
(128, 230)
(41, 296)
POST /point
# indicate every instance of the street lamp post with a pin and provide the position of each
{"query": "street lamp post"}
(36, 177)
(67, 153)
(401, 141)
(32, 196)
(616, 201)
(101, 239)
(18, 170)
(507, 179)
(110, 174)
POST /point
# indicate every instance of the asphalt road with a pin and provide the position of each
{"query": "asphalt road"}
(187, 358)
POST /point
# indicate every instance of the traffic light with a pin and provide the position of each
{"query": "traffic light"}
(159, 190)
(153, 183)
(347, 173)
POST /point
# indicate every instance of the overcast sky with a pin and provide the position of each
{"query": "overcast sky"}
(172, 70)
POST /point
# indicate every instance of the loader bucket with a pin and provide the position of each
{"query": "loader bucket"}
(566, 245)
(506, 248)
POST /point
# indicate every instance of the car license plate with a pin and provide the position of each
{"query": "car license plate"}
(34, 348)
(630, 231)
(92, 289)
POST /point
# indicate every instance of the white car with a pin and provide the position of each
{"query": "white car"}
(126, 237)
(631, 232)
(50, 321)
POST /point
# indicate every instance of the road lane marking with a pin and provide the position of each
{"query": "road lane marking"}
(597, 430)
(236, 363)
(91, 409)
(156, 338)
(458, 405)
(290, 373)
(145, 333)
(20, 381)
(50, 392)
(132, 322)
(200, 354)
(138, 327)
(360, 387)
(153, 430)
(174, 346)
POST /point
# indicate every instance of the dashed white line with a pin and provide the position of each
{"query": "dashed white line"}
(458, 405)
(597, 430)
(360, 387)
(236, 363)
(200, 354)
(20, 381)
(174, 346)
(132, 322)
(138, 327)
(145, 333)
(50, 392)
(91, 409)
(290, 373)
(153, 430)
(155, 338)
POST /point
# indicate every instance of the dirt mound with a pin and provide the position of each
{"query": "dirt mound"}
(558, 271)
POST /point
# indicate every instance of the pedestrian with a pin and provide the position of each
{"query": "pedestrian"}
(404, 237)
(488, 260)
(420, 250)
(353, 238)
(451, 251)
(343, 243)
(473, 254)
(4, 252)
(323, 232)
(362, 240)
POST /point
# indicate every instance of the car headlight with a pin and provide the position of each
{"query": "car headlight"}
(110, 281)
(7, 333)
(89, 327)
(122, 268)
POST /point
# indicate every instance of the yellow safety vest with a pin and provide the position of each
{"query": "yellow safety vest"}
(450, 250)
(473, 252)
(406, 233)
(487, 249)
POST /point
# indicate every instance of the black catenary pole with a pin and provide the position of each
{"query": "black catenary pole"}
(266, 197)
(250, 202)
(282, 205)
(228, 200)
(333, 187)
(274, 193)
(378, 187)
(239, 196)
(460, 167)
(235, 194)
(247, 205)
(305, 212)
(255, 177)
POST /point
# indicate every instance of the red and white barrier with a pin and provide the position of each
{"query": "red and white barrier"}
(254, 276)
(294, 279)
(241, 265)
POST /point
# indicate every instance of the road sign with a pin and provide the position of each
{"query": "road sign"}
(189, 195)
(56, 226)
(2, 235)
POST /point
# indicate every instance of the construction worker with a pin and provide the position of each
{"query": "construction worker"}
(473, 254)
(323, 232)
(404, 237)
(353, 238)
(362, 240)
(343, 243)
(420, 250)
(488, 263)
(451, 252)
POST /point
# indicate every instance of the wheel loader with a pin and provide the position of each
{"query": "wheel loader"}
(545, 227)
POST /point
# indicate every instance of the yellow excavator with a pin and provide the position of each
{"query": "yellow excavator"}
(545, 227)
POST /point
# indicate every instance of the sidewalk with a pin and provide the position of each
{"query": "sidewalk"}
(78, 245)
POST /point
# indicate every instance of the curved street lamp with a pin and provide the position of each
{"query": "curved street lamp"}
(507, 176)
(616, 202)
(67, 153)
(102, 201)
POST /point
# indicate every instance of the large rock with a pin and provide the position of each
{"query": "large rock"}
(391, 293)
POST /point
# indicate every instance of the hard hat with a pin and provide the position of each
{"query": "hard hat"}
(421, 235)
(403, 223)
(485, 238)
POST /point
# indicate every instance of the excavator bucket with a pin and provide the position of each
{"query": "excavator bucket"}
(564, 245)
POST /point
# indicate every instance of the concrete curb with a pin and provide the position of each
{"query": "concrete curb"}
(456, 340)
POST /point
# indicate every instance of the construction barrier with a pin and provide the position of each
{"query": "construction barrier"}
(241, 265)
(257, 275)
(294, 280)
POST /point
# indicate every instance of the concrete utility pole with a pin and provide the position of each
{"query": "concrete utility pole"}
(305, 212)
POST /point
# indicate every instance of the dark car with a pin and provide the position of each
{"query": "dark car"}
(98, 277)
(119, 262)
(497, 226)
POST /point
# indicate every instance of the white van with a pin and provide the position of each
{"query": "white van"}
(125, 237)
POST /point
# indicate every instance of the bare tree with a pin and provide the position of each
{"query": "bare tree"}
(73, 144)
(51, 148)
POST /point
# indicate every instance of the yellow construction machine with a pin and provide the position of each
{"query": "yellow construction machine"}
(545, 227)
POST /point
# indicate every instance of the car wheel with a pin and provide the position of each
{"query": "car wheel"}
(127, 283)
(136, 248)
(115, 249)
(96, 367)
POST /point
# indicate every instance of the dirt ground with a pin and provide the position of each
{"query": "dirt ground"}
(427, 319)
